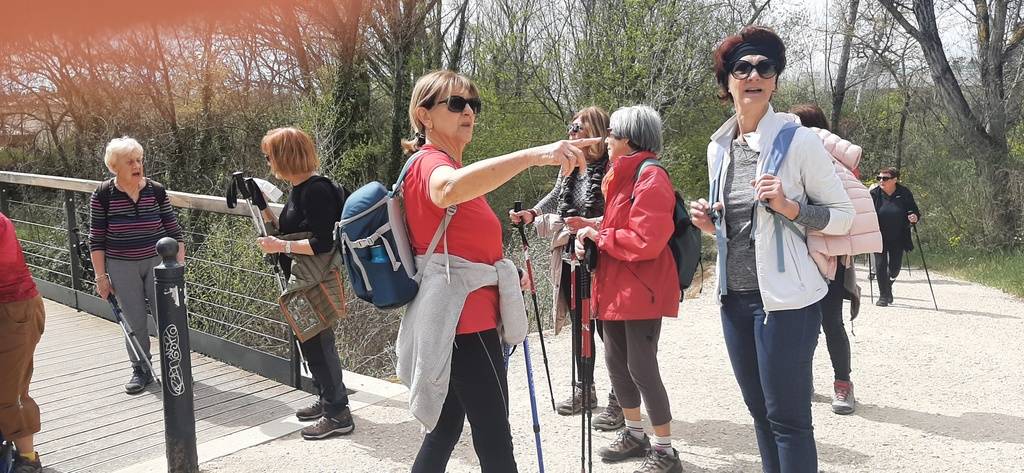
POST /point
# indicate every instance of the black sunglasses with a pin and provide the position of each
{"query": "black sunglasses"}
(457, 103)
(765, 68)
(885, 178)
(573, 128)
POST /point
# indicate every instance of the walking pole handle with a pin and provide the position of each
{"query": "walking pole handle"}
(517, 206)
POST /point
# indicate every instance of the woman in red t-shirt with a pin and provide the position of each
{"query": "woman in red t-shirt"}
(442, 112)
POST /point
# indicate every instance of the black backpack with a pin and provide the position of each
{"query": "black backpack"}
(685, 241)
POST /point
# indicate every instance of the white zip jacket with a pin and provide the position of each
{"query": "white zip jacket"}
(806, 174)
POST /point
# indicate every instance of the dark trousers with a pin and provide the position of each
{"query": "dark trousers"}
(478, 390)
(631, 353)
(325, 366)
(887, 266)
(771, 355)
(832, 324)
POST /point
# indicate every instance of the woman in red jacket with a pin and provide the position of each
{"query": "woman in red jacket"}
(636, 284)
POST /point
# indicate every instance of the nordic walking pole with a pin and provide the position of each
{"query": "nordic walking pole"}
(533, 403)
(925, 264)
(130, 336)
(518, 206)
(871, 277)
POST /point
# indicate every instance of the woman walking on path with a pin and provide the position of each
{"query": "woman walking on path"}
(313, 206)
(864, 237)
(128, 215)
(768, 285)
(897, 211)
(580, 194)
(636, 284)
(449, 345)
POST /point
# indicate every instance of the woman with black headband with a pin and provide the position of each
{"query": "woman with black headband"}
(771, 181)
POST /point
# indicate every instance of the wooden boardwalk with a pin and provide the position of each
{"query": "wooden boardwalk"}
(90, 424)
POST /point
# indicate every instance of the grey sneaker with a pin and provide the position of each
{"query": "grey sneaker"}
(310, 413)
(625, 446)
(21, 465)
(140, 379)
(843, 403)
(611, 417)
(658, 462)
(574, 405)
(327, 426)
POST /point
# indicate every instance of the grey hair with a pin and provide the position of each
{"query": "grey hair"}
(118, 147)
(639, 124)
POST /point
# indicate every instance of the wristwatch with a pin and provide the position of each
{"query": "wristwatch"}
(288, 246)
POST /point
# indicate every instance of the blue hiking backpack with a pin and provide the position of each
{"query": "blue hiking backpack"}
(685, 241)
(374, 243)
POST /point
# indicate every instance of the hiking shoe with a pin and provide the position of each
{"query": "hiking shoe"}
(327, 426)
(22, 465)
(611, 417)
(658, 462)
(140, 379)
(574, 405)
(881, 302)
(843, 403)
(625, 446)
(312, 412)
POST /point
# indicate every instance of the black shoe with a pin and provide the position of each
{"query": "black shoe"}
(327, 426)
(310, 413)
(140, 379)
(625, 446)
(881, 302)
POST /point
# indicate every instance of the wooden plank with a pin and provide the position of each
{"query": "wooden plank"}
(127, 416)
(101, 405)
(99, 383)
(54, 348)
(84, 368)
(101, 441)
(107, 351)
(207, 431)
(109, 387)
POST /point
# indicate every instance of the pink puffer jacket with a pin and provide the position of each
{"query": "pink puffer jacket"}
(864, 236)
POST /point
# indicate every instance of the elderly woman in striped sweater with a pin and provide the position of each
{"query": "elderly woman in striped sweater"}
(128, 214)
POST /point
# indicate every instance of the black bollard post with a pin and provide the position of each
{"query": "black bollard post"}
(175, 361)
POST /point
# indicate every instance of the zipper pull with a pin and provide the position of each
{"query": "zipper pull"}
(766, 315)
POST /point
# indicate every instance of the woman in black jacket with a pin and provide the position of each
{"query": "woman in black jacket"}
(897, 211)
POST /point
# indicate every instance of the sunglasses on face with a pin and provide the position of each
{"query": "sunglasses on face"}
(884, 178)
(766, 69)
(457, 103)
(573, 128)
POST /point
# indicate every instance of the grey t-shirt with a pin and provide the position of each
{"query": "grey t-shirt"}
(740, 262)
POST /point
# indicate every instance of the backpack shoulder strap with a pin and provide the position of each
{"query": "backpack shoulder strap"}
(396, 188)
(647, 162)
(159, 191)
(104, 192)
(780, 148)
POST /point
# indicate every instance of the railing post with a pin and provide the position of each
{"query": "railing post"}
(175, 361)
(4, 201)
(71, 223)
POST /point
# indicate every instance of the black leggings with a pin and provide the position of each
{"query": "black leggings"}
(325, 366)
(887, 266)
(478, 389)
(832, 324)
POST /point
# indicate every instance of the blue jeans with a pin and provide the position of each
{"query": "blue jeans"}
(772, 364)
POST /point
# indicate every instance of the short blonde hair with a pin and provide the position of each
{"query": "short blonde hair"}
(430, 88)
(118, 147)
(291, 150)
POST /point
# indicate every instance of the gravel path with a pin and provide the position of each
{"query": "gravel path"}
(937, 393)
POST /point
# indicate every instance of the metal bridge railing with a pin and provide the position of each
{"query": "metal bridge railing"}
(233, 314)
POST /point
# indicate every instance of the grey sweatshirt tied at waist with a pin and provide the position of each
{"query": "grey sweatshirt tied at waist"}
(427, 333)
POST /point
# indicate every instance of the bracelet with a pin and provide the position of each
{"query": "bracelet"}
(533, 212)
(104, 275)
